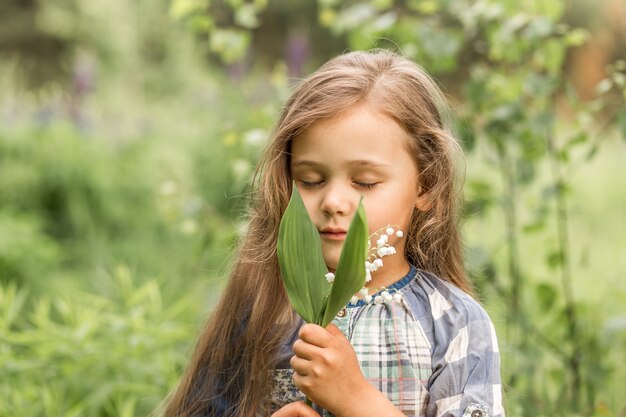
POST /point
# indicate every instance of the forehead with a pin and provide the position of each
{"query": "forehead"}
(362, 133)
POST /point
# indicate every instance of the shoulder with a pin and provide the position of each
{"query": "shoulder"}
(448, 315)
(429, 295)
(464, 349)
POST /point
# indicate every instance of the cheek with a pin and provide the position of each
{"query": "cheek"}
(381, 216)
(309, 203)
(378, 216)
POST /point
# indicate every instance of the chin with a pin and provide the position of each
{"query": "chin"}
(331, 264)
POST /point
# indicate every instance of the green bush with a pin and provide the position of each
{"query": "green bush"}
(72, 204)
(83, 354)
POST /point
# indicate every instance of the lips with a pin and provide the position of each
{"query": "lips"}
(331, 233)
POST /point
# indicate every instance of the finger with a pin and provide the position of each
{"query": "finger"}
(299, 409)
(300, 366)
(303, 383)
(305, 350)
(315, 335)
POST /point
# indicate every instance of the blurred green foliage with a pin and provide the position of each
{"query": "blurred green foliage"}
(129, 132)
(84, 354)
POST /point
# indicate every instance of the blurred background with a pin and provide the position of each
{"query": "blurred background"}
(129, 132)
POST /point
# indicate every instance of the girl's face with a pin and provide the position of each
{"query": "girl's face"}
(360, 152)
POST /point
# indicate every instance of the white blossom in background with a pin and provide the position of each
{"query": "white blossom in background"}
(188, 227)
(241, 169)
(255, 137)
(168, 188)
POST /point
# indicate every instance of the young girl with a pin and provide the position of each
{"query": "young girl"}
(365, 124)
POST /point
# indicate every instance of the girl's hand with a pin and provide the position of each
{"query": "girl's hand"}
(326, 368)
(299, 409)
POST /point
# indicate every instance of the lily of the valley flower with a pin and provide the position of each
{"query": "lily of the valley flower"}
(374, 263)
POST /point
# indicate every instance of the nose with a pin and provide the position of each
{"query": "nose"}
(337, 200)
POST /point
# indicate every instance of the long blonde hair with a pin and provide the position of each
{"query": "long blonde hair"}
(240, 341)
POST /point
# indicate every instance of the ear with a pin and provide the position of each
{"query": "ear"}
(423, 202)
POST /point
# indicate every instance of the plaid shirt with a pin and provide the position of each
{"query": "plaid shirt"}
(433, 354)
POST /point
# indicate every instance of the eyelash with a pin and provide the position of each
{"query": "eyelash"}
(366, 186)
(311, 185)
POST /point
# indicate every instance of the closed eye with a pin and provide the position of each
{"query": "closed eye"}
(311, 184)
(365, 185)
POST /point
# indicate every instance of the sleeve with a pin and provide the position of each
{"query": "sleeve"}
(466, 366)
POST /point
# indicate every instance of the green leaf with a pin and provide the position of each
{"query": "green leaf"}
(621, 120)
(246, 16)
(301, 261)
(546, 295)
(184, 8)
(303, 268)
(576, 37)
(555, 259)
(350, 274)
(230, 44)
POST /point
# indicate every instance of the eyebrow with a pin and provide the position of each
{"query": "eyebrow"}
(352, 164)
